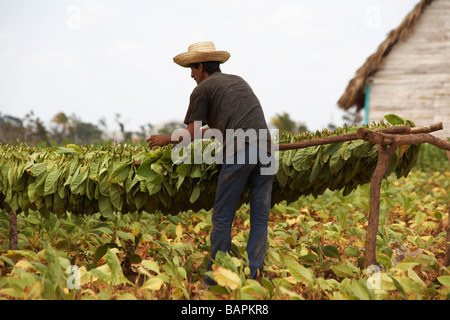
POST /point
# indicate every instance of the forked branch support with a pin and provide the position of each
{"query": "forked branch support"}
(387, 145)
(388, 140)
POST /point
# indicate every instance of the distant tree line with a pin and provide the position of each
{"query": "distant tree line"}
(64, 129)
(284, 123)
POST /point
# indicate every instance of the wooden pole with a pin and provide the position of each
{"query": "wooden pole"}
(339, 138)
(400, 130)
(401, 140)
(13, 231)
(447, 251)
(385, 154)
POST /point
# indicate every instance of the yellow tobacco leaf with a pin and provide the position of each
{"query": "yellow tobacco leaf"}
(33, 292)
(291, 280)
(153, 284)
(179, 231)
(164, 237)
(402, 151)
(10, 253)
(25, 265)
(135, 228)
(292, 221)
(226, 278)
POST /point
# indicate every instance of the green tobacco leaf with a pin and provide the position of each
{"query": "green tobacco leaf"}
(77, 181)
(51, 182)
(145, 169)
(299, 161)
(120, 173)
(151, 265)
(116, 197)
(105, 206)
(196, 171)
(153, 188)
(342, 270)
(66, 150)
(179, 182)
(336, 162)
(125, 235)
(346, 151)
(331, 251)
(195, 194)
(31, 192)
(384, 260)
(308, 259)
(399, 286)
(444, 280)
(359, 290)
(103, 187)
(361, 148)
(316, 168)
(140, 199)
(40, 183)
(38, 168)
(415, 277)
(282, 178)
(333, 148)
(184, 170)
(300, 273)
(74, 147)
(113, 263)
(352, 251)
(394, 119)
(101, 251)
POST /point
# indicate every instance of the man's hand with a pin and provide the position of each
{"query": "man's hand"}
(158, 140)
(162, 140)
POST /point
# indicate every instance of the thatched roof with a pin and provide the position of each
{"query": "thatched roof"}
(355, 92)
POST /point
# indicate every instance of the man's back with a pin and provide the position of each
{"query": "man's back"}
(225, 101)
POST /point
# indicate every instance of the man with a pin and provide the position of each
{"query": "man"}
(227, 103)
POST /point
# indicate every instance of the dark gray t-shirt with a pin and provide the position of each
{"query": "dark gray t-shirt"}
(224, 102)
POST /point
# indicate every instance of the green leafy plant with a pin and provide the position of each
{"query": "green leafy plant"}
(90, 180)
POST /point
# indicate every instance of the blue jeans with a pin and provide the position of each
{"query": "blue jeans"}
(233, 177)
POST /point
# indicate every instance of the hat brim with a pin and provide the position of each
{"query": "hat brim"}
(185, 59)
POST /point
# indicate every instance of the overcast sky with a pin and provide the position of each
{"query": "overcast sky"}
(98, 58)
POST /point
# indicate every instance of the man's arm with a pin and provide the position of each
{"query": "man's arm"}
(162, 140)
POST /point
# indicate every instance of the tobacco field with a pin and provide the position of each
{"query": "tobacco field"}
(315, 250)
(94, 225)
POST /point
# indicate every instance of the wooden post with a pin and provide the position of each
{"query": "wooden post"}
(13, 231)
(385, 154)
(447, 251)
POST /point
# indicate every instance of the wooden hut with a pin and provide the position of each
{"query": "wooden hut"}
(409, 74)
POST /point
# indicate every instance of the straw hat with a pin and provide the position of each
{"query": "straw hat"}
(201, 52)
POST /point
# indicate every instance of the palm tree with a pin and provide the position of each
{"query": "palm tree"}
(62, 120)
(284, 123)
